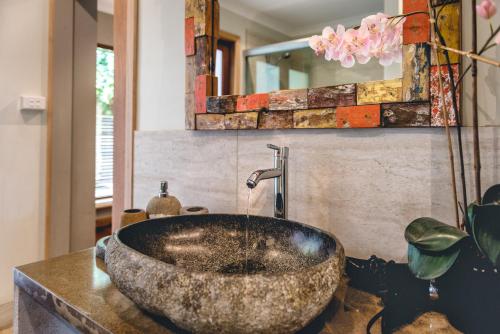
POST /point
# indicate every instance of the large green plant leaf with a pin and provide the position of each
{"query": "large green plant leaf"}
(469, 219)
(492, 195)
(431, 265)
(486, 230)
(429, 234)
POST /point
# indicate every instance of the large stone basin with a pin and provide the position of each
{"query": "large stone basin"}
(210, 274)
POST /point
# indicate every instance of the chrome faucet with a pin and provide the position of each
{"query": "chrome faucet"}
(280, 175)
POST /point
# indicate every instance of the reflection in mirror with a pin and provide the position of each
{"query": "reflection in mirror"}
(273, 51)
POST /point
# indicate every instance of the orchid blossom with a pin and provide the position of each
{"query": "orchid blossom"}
(486, 9)
(378, 36)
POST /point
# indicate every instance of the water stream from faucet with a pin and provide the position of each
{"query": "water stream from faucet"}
(246, 228)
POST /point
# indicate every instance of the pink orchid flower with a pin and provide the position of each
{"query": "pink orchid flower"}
(317, 44)
(334, 42)
(486, 9)
(375, 24)
(349, 48)
(378, 36)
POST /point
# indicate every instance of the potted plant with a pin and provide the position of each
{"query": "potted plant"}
(464, 266)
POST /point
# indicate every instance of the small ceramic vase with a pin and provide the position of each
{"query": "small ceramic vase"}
(132, 216)
(193, 211)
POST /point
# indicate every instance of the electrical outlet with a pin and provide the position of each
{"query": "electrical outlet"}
(38, 103)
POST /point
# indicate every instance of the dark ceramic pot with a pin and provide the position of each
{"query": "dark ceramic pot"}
(210, 274)
(470, 294)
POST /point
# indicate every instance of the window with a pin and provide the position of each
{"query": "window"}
(224, 66)
(104, 122)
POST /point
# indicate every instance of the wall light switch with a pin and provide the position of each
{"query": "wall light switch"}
(38, 103)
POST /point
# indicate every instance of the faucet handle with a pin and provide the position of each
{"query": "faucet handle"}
(273, 147)
(280, 151)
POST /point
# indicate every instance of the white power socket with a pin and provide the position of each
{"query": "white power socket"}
(38, 103)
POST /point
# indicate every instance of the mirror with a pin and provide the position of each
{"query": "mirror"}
(264, 44)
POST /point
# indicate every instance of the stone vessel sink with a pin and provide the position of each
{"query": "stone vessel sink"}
(210, 274)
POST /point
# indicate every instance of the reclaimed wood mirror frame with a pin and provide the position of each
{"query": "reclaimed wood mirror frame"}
(410, 101)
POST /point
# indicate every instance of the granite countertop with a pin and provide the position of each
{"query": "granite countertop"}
(77, 288)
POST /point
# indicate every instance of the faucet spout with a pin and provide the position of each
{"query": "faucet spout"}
(262, 174)
(279, 174)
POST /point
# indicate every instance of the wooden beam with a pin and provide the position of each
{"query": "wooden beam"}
(253, 102)
(241, 120)
(367, 116)
(276, 120)
(293, 99)
(416, 72)
(125, 103)
(221, 104)
(375, 92)
(59, 124)
(327, 97)
(449, 26)
(210, 122)
(417, 28)
(437, 104)
(189, 40)
(315, 119)
(404, 115)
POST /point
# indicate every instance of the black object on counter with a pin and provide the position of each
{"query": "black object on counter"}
(404, 296)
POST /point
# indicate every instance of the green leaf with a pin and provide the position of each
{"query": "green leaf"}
(492, 195)
(469, 219)
(486, 229)
(429, 234)
(431, 265)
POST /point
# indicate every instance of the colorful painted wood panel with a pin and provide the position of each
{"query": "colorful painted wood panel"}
(403, 115)
(449, 25)
(416, 72)
(442, 2)
(189, 43)
(376, 92)
(276, 120)
(203, 55)
(437, 104)
(190, 74)
(294, 99)
(241, 120)
(210, 122)
(216, 20)
(367, 116)
(254, 102)
(205, 86)
(190, 117)
(315, 119)
(201, 10)
(221, 104)
(326, 97)
(416, 28)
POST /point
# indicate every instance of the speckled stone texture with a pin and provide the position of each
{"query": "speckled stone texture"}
(203, 274)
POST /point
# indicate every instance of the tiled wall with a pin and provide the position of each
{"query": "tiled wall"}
(363, 186)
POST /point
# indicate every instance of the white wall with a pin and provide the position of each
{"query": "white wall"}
(105, 29)
(488, 76)
(160, 99)
(23, 68)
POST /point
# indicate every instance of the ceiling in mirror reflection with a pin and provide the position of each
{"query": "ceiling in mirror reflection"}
(298, 18)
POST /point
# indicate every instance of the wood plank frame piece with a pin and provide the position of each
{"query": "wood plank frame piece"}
(404, 91)
(125, 104)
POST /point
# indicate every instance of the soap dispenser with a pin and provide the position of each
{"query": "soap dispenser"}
(163, 205)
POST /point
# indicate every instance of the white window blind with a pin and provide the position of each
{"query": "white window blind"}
(104, 156)
(105, 90)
